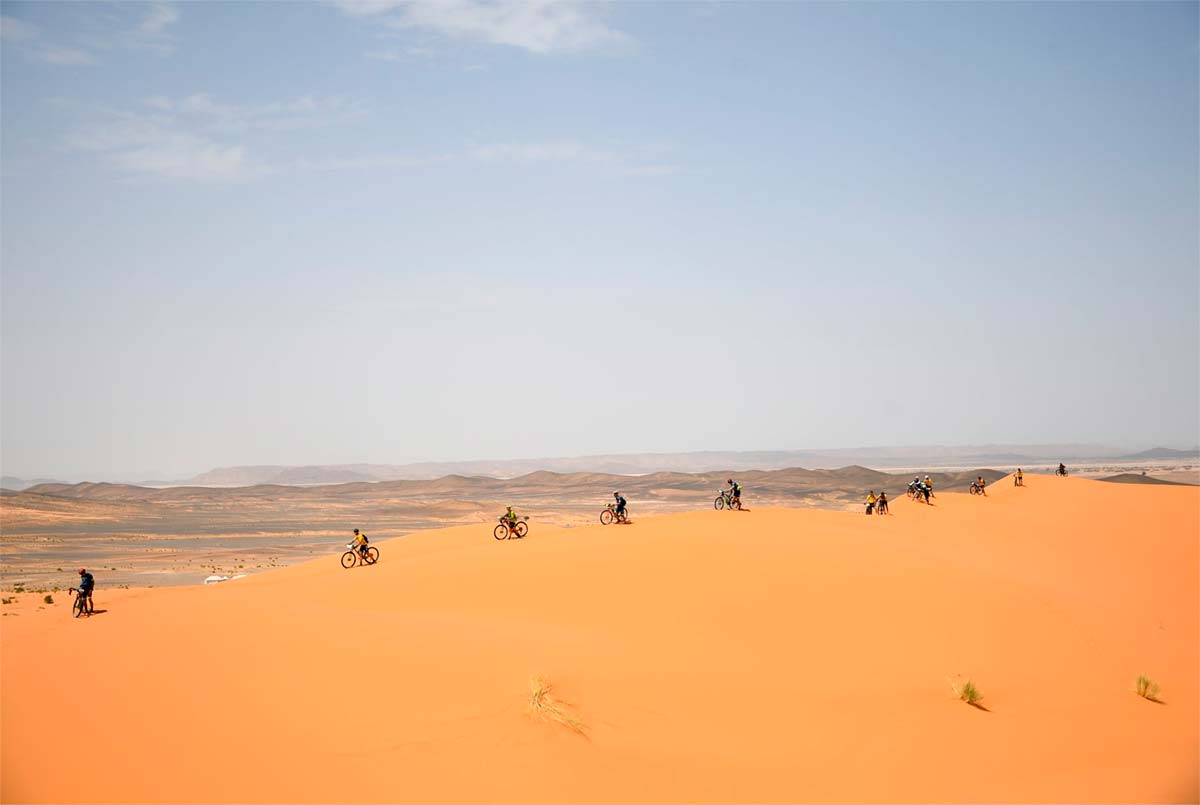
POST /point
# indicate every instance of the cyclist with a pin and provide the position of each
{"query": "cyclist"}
(360, 543)
(871, 499)
(982, 485)
(620, 511)
(881, 506)
(928, 487)
(735, 493)
(509, 518)
(1019, 479)
(1062, 469)
(87, 583)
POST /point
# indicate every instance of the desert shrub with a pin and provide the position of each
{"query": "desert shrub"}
(543, 705)
(49, 599)
(7, 600)
(1146, 687)
(966, 690)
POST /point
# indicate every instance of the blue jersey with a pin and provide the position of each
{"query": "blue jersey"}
(86, 583)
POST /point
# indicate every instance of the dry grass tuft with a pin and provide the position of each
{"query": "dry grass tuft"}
(966, 690)
(544, 706)
(1147, 688)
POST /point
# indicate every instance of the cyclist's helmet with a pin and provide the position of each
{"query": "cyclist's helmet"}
(356, 531)
(616, 494)
(728, 480)
(82, 571)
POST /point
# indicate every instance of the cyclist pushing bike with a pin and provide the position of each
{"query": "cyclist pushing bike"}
(620, 510)
(87, 583)
(509, 518)
(360, 543)
(735, 493)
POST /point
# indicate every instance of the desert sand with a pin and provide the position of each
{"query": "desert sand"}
(774, 655)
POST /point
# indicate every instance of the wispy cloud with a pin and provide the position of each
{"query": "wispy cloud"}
(66, 56)
(150, 32)
(197, 138)
(305, 112)
(15, 30)
(404, 54)
(148, 147)
(27, 37)
(153, 32)
(538, 26)
(614, 160)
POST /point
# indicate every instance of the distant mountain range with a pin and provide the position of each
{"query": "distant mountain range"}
(1000, 456)
(1164, 453)
(18, 484)
(696, 462)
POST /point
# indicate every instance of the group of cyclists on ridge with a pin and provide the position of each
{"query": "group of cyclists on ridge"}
(617, 511)
(921, 490)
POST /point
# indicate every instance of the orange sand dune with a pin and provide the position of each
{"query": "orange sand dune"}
(769, 656)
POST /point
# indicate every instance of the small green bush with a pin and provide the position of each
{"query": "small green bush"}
(1147, 688)
(49, 599)
(7, 600)
(967, 691)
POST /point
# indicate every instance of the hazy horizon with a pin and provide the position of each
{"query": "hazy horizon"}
(338, 233)
(880, 456)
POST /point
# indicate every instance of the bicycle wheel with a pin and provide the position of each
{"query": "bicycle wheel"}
(522, 528)
(606, 517)
(500, 532)
(348, 559)
(78, 607)
(719, 503)
(372, 555)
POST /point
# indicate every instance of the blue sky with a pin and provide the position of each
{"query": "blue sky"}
(399, 231)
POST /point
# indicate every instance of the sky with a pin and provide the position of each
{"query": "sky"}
(313, 233)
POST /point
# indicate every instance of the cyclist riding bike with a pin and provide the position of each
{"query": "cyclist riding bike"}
(735, 492)
(981, 485)
(620, 510)
(360, 543)
(87, 583)
(1062, 469)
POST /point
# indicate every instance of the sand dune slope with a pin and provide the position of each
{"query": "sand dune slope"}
(772, 655)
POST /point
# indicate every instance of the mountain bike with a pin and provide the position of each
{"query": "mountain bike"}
(1061, 472)
(353, 556)
(609, 515)
(976, 489)
(504, 531)
(726, 501)
(82, 605)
